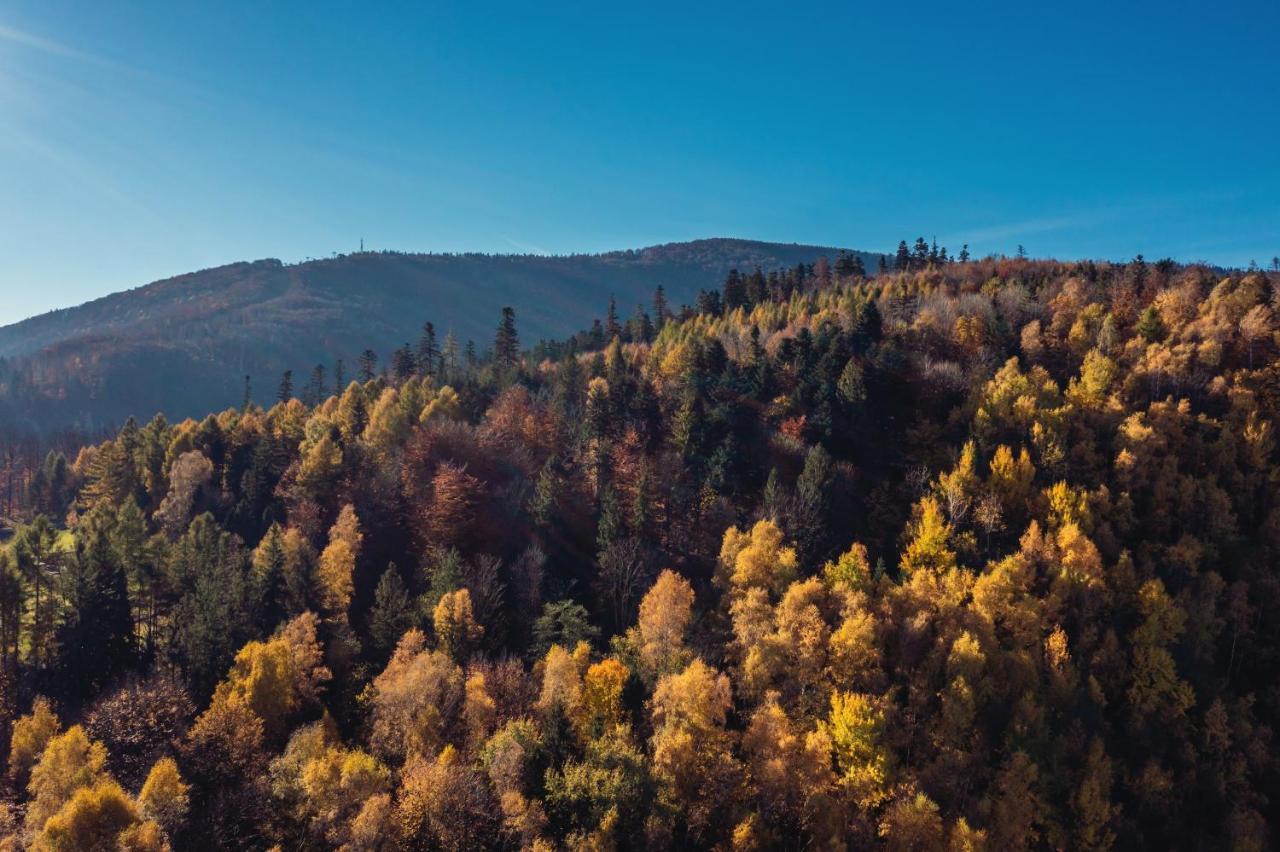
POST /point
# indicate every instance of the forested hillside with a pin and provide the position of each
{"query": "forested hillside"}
(967, 555)
(185, 345)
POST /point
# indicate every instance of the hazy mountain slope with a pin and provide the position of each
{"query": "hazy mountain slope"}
(194, 337)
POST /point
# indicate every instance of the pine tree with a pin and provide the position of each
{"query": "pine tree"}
(964, 253)
(1150, 326)
(403, 365)
(392, 613)
(735, 291)
(286, 387)
(368, 365)
(661, 311)
(428, 351)
(506, 344)
(449, 356)
(920, 254)
(95, 637)
(611, 327)
(902, 261)
(316, 389)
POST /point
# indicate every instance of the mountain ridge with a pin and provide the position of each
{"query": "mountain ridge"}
(201, 332)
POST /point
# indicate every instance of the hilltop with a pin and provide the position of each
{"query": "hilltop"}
(183, 345)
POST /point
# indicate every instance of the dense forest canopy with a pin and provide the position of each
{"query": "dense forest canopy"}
(963, 553)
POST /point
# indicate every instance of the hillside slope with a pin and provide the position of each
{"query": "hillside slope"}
(194, 337)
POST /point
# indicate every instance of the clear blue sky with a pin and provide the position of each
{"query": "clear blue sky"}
(143, 139)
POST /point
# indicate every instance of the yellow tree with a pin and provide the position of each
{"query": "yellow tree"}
(791, 772)
(755, 559)
(929, 549)
(165, 796)
(94, 817)
(697, 775)
(31, 734)
(415, 701)
(665, 613)
(456, 629)
(334, 576)
(273, 679)
(69, 762)
(601, 709)
(856, 728)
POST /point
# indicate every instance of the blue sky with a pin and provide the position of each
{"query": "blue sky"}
(144, 139)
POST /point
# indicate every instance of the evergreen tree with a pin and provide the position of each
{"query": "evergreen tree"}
(506, 344)
(316, 389)
(1150, 327)
(449, 356)
(902, 261)
(661, 311)
(403, 365)
(428, 351)
(95, 636)
(368, 365)
(735, 291)
(920, 254)
(392, 612)
(611, 327)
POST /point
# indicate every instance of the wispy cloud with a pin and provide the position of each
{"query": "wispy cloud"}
(14, 35)
(1040, 225)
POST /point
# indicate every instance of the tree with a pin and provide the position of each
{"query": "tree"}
(403, 365)
(429, 351)
(316, 388)
(929, 548)
(692, 761)
(856, 728)
(415, 701)
(285, 393)
(273, 679)
(665, 614)
(31, 735)
(455, 627)
(70, 761)
(562, 622)
(368, 364)
(661, 310)
(95, 639)
(165, 796)
(190, 473)
(625, 569)
(756, 559)
(334, 576)
(902, 260)
(1150, 327)
(449, 356)
(506, 344)
(94, 817)
(39, 558)
(1091, 803)
(392, 612)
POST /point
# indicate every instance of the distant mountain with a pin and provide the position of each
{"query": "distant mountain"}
(183, 345)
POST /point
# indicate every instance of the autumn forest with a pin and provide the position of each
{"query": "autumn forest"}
(950, 554)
